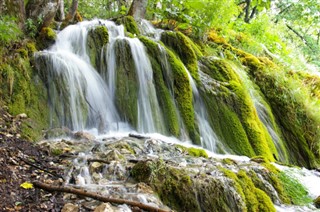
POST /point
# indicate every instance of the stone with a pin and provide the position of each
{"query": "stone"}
(84, 136)
(70, 208)
(104, 207)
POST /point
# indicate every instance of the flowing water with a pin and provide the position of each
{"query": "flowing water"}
(85, 98)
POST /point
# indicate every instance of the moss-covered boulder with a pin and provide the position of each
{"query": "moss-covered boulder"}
(233, 113)
(47, 37)
(127, 87)
(23, 92)
(130, 24)
(163, 85)
(97, 38)
(184, 48)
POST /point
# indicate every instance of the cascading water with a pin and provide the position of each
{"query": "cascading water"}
(209, 139)
(83, 97)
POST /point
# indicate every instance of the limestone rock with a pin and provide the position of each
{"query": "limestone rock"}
(70, 208)
(84, 136)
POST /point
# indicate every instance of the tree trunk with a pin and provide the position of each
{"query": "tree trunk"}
(138, 9)
(247, 11)
(60, 16)
(73, 10)
(14, 8)
(44, 9)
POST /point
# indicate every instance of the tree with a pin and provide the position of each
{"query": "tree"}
(138, 9)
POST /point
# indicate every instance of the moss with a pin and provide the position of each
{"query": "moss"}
(129, 24)
(173, 185)
(162, 87)
(192, 151)
(97, 38)
(126, 84)
(183, 96)
(182, 46)
(56, 152)
(47, 37)
(255, 198)
(23, 93)
(235, 108)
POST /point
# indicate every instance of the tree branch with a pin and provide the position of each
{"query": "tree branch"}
(52, 188)
(300, 36)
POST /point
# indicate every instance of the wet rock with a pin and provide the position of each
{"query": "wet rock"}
(114, 155)
(58, 133)
(84, 136)
(95, 167)
(105, 207)
(70, 208)
(317, 202)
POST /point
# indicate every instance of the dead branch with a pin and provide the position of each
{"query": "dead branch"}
(52, 188)
(40, 168)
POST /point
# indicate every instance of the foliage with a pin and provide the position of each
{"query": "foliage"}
(297, 193)
(102, 9)
(32, 26)
(200, 15)
(9, 30)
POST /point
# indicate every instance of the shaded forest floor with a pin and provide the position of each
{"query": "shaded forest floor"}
(22, 161)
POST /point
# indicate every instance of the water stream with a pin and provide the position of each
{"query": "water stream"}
(84, 98)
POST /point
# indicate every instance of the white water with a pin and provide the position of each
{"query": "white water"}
(209, 139)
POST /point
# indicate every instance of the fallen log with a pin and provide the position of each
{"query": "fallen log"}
(65, 189)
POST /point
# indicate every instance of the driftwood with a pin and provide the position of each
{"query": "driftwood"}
(40, 168)
(52, 188)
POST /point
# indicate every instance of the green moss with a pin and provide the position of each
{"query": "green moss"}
(255, 199)
(173, 185)
(56, 152)
(23, 93)
(129, 24)
(126, 83)
(161, 83)
(192, 151)
(182, 46)
(183, 96)
(47, 37)
(234, 107)
(97, 38)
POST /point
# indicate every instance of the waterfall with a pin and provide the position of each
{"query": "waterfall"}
(84, 90)
(209, 139)
(264, 115)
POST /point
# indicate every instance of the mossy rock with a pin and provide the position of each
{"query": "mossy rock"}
(97, 38)
(194, 152)
(184, 48)
(183, 96)
(129, 24)
(127, 87)
(163, 84)
(46, 38)
(235, 108)
(23, 92)
(180, 85)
